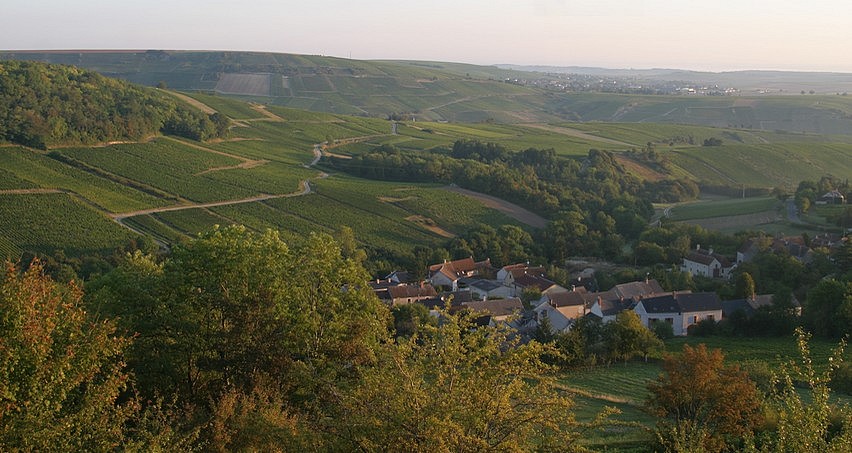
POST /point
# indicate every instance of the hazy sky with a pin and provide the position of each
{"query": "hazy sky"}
(709, 35)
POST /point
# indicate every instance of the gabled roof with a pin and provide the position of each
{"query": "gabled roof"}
(459, 268)
(661, 304)
(533, 281)
(694, 302)
(638, 289)
(679, 302)
(401, 276)
(484, 285)
(706, 258)
(497, 307)
(566, 299)
(610, 303)
(729, 307)
(409, 291)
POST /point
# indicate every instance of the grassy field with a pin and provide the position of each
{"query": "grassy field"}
(704, 209)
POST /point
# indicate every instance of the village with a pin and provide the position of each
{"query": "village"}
(523, 297)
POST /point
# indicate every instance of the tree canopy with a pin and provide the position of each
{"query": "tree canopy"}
(43, 105)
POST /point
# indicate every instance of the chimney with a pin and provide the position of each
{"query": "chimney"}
(710, 251)
(697, 247)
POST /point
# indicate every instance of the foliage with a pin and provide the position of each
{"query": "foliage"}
(231, 304)
(45, 105)
(62, 382)
(828, 309)
(626, 337)
(454, 388)
(806, 425)
(703, 399)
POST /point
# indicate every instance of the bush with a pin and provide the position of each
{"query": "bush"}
(663, 330)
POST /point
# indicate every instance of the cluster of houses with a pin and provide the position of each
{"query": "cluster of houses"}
(523, 296)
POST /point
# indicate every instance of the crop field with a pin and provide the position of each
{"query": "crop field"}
(192, 221)
(722, 208)
(44, 172)
(48, 222)
(781, 165)
(153, 227)
(11, 181)
(166, 165)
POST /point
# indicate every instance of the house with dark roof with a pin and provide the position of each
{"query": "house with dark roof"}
(681, 310)
(448, 273)
(487, 289)
(751, 304)
(705, 263)
(605, 305)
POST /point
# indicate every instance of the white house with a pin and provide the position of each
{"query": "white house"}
(705, 263)
(562, 309)
(680, 310)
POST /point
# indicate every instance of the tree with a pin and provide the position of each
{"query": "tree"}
(62, 380)
(805, 424)
(828, 309)
(703, 399)
(452, 387)
(745, 286)
(627, 337)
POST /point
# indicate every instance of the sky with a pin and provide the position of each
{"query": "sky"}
(718, 35)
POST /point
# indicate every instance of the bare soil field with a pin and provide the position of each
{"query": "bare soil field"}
(244, 84)
(430, 225)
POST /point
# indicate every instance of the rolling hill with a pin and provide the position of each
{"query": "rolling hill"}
(455, 92)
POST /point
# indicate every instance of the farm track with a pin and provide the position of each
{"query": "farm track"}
(29, 191)
(191, 101)
(246, 163)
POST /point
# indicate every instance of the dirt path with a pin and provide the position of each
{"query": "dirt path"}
(578, 134)
(191, 101)
(512, 210)
(29, 191)
(268, 116)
